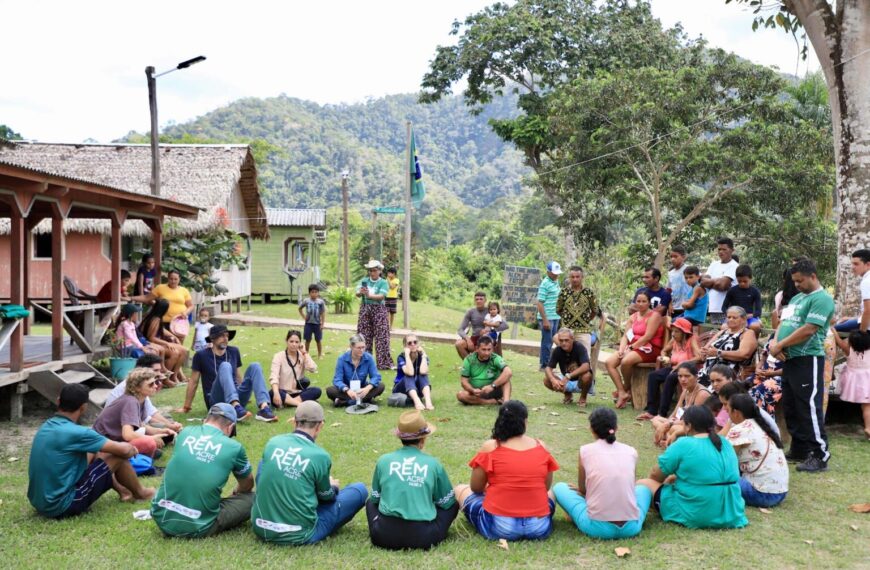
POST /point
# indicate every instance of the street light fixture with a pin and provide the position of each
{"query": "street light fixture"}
(152, 103)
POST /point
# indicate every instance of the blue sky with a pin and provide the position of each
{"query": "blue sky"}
(75, 70)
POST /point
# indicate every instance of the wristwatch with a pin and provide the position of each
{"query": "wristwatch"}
(719, 353)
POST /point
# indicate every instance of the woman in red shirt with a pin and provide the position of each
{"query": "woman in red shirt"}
(511, 475)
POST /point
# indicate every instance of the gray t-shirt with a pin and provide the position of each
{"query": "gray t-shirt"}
(474, 318)
(125, 411)
(313, 309)
(120, 390)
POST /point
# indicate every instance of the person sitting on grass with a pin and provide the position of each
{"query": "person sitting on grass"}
(575, 372)
(696, 483)
(511, 474)
(682, 347)
(72, 466)
(412, 503)
(412, 377)
(763, 468)
(126, 418)
(356, 376)
(693, 394)
(297, 501)
(720, 376)
(606, 503)
(642, 342)
(313, 310)
(153, 416)
(188, 503)
(485, 377)
(219, 367)
(746, 296)
(287, 381)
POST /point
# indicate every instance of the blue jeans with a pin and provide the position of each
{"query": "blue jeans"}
(494, 527)
(332, 516)
(225, 389)
(575, 505)
(847, 326)
(408, 383)
(755, 498)
(547, 339)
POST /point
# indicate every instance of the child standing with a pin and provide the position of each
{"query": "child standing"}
(855, 378)
(202, 328)
(746, 296)
(492, 321)
(680, 290)
(313, 310)
(145, 275)
(392, 298)
(695, 308)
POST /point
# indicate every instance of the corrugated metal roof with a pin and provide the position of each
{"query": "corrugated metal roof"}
(296, 217)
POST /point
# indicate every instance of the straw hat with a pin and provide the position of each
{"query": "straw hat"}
(412, 425)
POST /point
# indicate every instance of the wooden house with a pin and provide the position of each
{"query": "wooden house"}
(219, 179)
(290, 261)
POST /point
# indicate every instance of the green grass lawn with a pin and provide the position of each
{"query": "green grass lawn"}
(424, 317)
(108, 536)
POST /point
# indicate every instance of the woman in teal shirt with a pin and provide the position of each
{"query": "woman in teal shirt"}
(696, 483)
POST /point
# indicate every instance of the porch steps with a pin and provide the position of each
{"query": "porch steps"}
(75, 376)
(49, 383)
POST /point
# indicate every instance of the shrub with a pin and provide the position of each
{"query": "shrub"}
(341, 298)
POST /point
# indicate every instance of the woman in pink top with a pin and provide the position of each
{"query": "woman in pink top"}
(644, 344)
(606, 502)
(662, 382)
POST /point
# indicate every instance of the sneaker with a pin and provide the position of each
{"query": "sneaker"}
(265, 415)
(242, 413)
(812, 464)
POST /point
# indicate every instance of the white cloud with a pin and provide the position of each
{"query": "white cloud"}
(74, 70)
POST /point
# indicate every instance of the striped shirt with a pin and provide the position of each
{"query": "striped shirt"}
(548, 293)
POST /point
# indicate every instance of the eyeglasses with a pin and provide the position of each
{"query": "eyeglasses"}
(412, 342)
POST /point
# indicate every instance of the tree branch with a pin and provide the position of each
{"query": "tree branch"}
(820, 23)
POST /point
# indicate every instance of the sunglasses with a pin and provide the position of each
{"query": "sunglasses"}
(152, 383)
(412, 342)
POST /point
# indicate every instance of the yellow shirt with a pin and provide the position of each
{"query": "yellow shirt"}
(177, 299)
(393, 292)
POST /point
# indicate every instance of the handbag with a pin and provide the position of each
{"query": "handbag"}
(179, 326)
(301, 383)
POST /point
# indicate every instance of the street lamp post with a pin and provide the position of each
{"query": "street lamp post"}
(152, 103)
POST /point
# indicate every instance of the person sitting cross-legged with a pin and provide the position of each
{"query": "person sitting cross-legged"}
(72, 466)
(297, 501)
(412, 377)
(153, 416)
(485, 377)
(188, 503)
(219, 366)
(607, 503)
(356, 376)
(575, 372)
(412, 503)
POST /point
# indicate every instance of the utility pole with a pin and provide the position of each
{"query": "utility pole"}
(155, 157)
(406, 270)
(344, 200)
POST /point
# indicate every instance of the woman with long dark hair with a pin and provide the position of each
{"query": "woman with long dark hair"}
(763, 469)
(607, 503)
(288, 384)
(174, 352)
(511, 474)
(696, 482)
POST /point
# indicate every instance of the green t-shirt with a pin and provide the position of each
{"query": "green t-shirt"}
(58, 458)
(379, 287)
(409, 484)
(816, 308)
(548, 294)
(292, 481)
(706, 493)
(479, 373)
(189, 499)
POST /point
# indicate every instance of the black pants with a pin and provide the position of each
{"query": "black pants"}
(396, 534)
(803, 385)
(334, 394)
(666, 378)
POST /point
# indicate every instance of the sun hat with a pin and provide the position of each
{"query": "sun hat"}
(554, 267)
(217, 331)
(682, 324)
(374, 264)
(412, 425)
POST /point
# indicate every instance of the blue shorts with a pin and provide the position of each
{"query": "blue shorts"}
(755, 498)
(94, 482)
(312, 329)
(753, 321)
(494, 527)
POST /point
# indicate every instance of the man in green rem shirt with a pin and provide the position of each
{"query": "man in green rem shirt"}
(485, 376)
(189, 502)
(412, 504)
(297, 501)
(800, 342)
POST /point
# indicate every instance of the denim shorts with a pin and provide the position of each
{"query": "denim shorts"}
(755, 498)
(494, 527)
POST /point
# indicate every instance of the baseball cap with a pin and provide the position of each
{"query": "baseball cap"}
(554, 267)
(309, 411)
(130, 309)
(225, 411)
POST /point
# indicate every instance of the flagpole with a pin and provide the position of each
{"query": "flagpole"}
(406, 269)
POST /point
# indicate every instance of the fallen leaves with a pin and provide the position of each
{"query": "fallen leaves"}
(860, 508)
(852, 526)
(336, 424)
(765, 511)
(13, 459)
(554, 413)
(443, 420)
(572, 429)
(622, 551)
(810, 542)
(503, 544)
(552, 424)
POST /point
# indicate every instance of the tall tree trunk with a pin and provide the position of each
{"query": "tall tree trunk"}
(841, 41)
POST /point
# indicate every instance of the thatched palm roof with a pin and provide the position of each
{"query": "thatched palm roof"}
(199, 175)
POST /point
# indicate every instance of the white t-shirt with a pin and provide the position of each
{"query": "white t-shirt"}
(716, 270)
(865, 290)
(119, 390)
(202, 330)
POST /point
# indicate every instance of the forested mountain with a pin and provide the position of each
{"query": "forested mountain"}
(462, 158)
